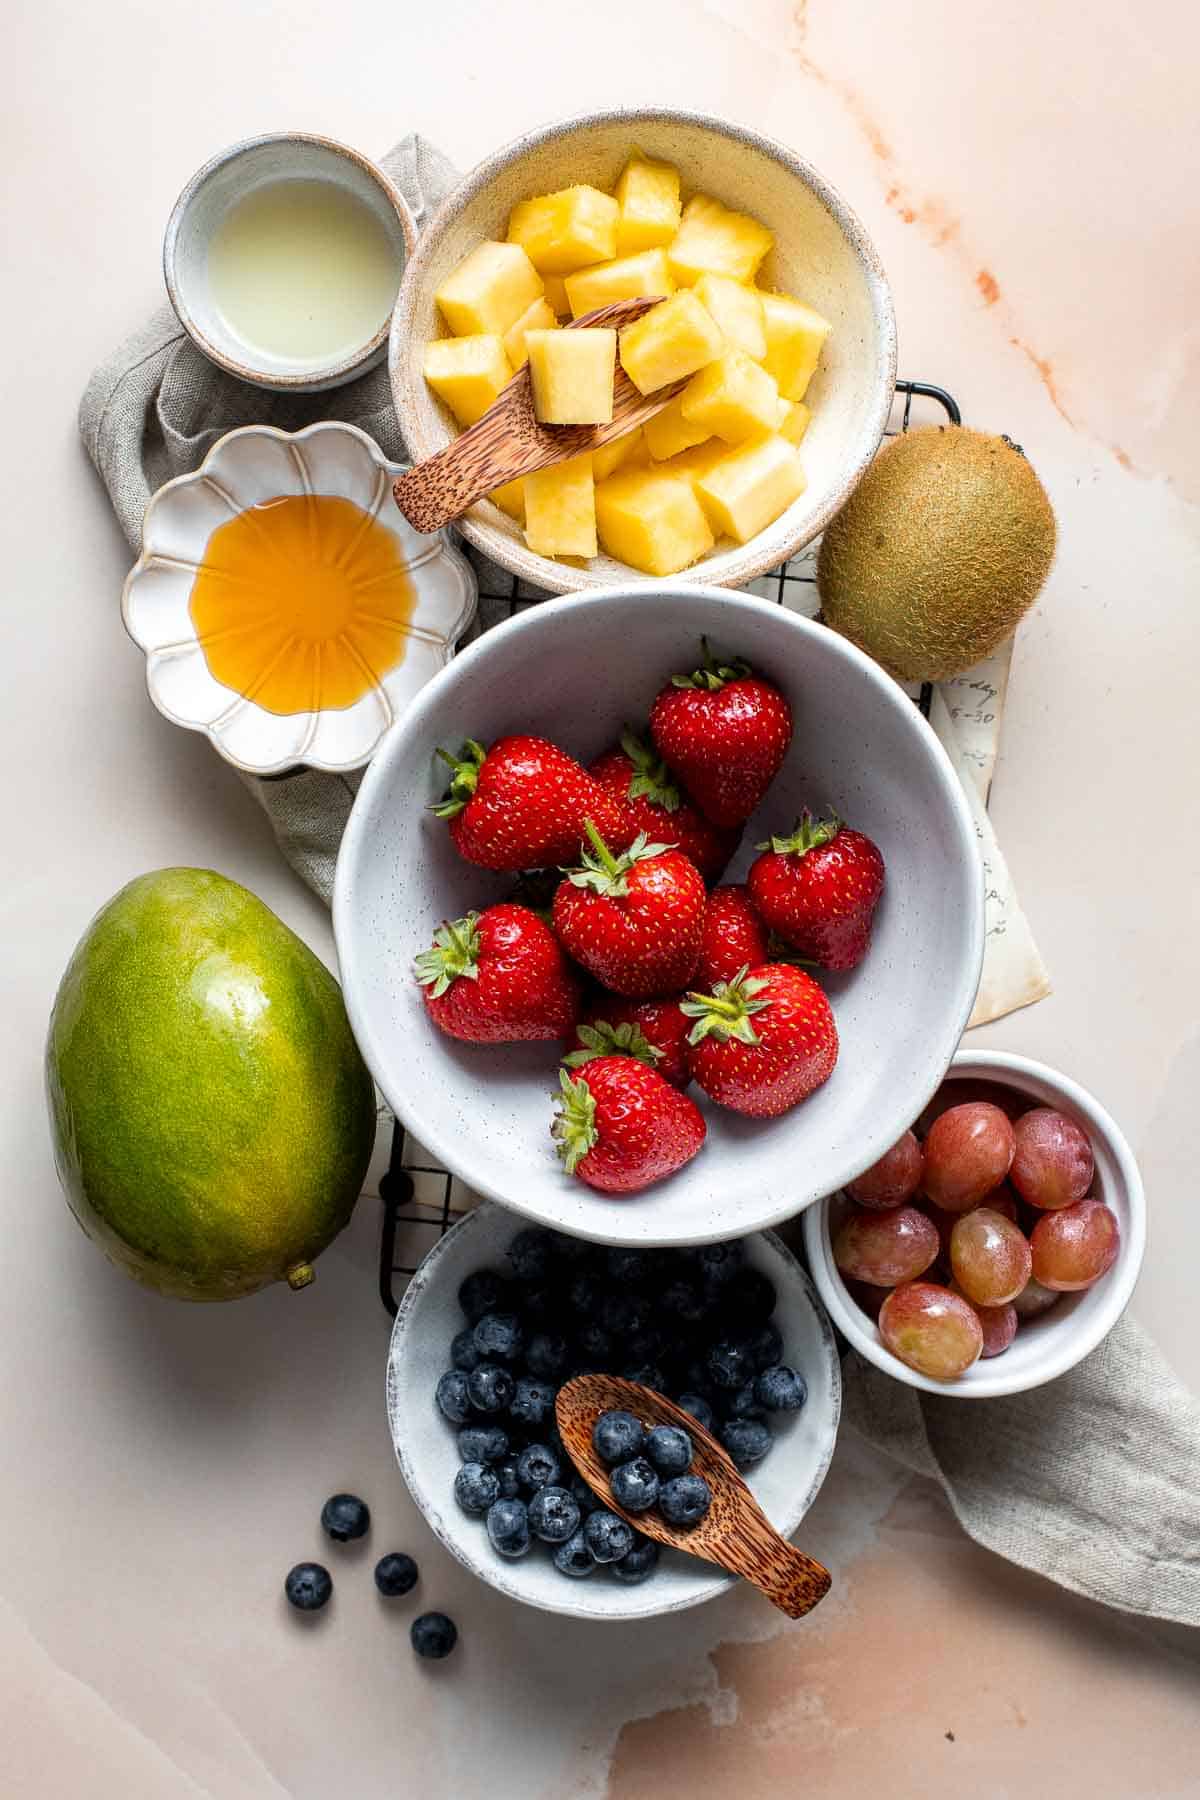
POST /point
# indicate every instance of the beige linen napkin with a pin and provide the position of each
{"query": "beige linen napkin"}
(1093, 1481)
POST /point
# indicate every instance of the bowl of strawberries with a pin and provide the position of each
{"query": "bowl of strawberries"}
(659, 914)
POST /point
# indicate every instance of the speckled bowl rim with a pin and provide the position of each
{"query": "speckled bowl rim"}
(494, 1572)
(333, 374)
(1064, 1348)
(743, 563)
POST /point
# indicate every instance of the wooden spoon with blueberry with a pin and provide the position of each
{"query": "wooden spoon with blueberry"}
(656, 1465)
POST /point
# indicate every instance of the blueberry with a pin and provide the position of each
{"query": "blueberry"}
(595, 1343)
(483, 1292)
(685, 1500)
(508, 1527)
(583, 1295)
(669, 1449)
(781, 1389)
(624, 1315)
(489, 1388)
(499, 1337)
(684, 1301)
(641, 1561)
(345, 1516)
(730, 1364)
(749, 1297)
(616, 1436)
(634, 1485)
(747, 1441)
(538, 1466)
(765, 1345)
(719, 1262)
(570, 1249)
(482, 1443)
(575, 1558)
(651, 1344)
(546, 1355)
(396, 1574)
(646, 1375)
(532, 1403)
(743, 1404)
(584, 1498)
(308, 1586)
(608, 1537)
(433, 1635)
(553, 1515)
(463, 1353)
(531, 1254)
(510, 1481)
(699, 1408)
(453, 1396)
(476, 1487)
(628, 1265)
(541, 1305)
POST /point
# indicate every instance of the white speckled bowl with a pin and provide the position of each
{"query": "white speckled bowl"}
(1043, 1347)
(786, 1483)
(821, 253)
(574, 670)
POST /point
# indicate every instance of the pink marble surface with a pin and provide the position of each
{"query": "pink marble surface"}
(1029, 174)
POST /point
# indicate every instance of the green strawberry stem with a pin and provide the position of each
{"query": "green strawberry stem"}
(463, 782)
(454, 952)
(728, 1011)
(651, 779)
(714, 675)
(608, 861)
(574, 1130)
(603, 1039)
(807, 834)
(605, 873)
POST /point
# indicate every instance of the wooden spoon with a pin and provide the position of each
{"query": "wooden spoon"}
(508, 441)
(735, 1532)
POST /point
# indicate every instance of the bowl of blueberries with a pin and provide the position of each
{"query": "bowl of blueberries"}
(498, 1317)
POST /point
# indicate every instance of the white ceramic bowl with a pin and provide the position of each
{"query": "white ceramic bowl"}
(786, 1483)
(574, 670)
(245, 468)
(1053, 1343)
(199, 212)
(822, 254)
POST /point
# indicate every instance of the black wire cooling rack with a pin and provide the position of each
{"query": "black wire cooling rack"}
(417, 1196)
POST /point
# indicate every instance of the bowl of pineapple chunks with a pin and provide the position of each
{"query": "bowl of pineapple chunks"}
(773, 331)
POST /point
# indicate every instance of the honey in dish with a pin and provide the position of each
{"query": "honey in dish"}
(302, 603)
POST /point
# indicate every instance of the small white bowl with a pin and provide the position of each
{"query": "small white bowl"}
(785, 1484)
(254, 464)
(575, 670)
(203, 205)
(1051, 1344)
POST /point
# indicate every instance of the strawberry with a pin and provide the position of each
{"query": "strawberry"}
(819, 889)
(634, 921)
(521, 804)
(725, 732)
(762, 1041)
(655, 1031)
(733, 937)
(641, 784)
(620, 1126)
(498, 976)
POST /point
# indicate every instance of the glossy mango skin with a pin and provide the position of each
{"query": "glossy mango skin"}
(211, 1114)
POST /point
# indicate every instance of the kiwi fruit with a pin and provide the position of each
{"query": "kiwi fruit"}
(944, 543)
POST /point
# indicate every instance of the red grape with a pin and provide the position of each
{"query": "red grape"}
(885, 1247)
(1034, 1299)
(999, 1326)
(1002, 1201)
(1053, 1164)
(1075, 1245)
(967, 1153)
(894, 1179)
(990, 1257)
(932, 1329)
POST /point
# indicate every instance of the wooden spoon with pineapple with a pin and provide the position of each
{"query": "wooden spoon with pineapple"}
(508, 441)
(735, 1532)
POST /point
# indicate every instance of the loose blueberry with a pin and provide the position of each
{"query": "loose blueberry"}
(718, 1263)
(781, 1389)
(344, 1517)
(744, 1404)
(476, 1487)
(608, 1537)
(699, 1408)
(463, 1353)
(538, 1466)
(483, 1292)
(646, 1375)
(729, 1363)
(594, 1344)
(499, 1338)
(546, 1355)
(308, 1586)
(749, 1297)
(482, 1443)
(623, 1315)
(746, 1440)
(583, 1295)
(531, 1254)
(575, 1558)
(433, 1635)
(510, 1481)
(669, 1449)
(641, 1562)
(684, 1300)
(583, 1496)
(629, 1266)
(396, 1574)
(453, 1396)
(508, 1527)
(685, 1500)
(553, 1515)
(617, 1436)
(634, 1485)
(765, 1344)
(652, 1344)
(490, 1388)
(541, 1305)
(532, 1404)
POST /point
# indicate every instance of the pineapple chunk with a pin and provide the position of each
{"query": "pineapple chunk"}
(714, 240)
(624, 452)
(467, 373)
(651, 521)
(691, 465)
(793, 420)
(556, 296)
(489, 290)
(565, 231)
(648, 196)
(795, 337)
(510, 499)
(560, 509)
(668, 432)
(733, 397)
(669, 342)
(737, 310)
(751, 486)
(538, 318)
(628, 278)
(572, 374)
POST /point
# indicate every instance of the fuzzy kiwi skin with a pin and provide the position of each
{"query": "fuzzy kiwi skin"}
(945, 542)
